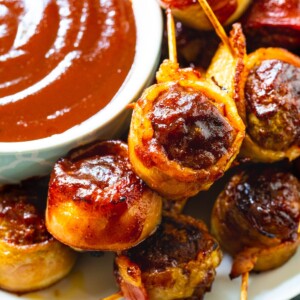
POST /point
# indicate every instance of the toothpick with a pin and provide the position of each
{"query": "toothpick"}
(171, 36)
(244, 286)
(216, 24)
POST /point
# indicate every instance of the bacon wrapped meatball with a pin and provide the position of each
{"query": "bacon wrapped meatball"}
(30, 258)
(185, 131)
(256, 219)
(272, 103)
(266, 86)
(266, 89)
(177, 262)
(183, 136)
(96, 202)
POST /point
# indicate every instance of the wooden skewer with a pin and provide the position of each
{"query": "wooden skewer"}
(244, 286)
(216, 24)
(171, 36)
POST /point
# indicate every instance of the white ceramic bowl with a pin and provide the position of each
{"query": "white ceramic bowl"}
(21, 160)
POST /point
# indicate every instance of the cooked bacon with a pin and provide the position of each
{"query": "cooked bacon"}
(273, 23)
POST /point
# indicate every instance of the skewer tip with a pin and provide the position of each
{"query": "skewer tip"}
(171, 36)
(244, 286)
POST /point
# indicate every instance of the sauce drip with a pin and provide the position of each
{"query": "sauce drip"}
(60, 62)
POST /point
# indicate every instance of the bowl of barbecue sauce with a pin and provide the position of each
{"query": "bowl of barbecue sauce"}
(68, 70)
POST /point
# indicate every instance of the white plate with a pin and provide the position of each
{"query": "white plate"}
(92, 278)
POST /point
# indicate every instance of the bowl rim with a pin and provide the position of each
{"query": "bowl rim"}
(147, 53)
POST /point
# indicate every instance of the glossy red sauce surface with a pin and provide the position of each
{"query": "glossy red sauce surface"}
(22, 214)
(60, 62)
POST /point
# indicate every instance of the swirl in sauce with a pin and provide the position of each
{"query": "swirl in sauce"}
(60, 62)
